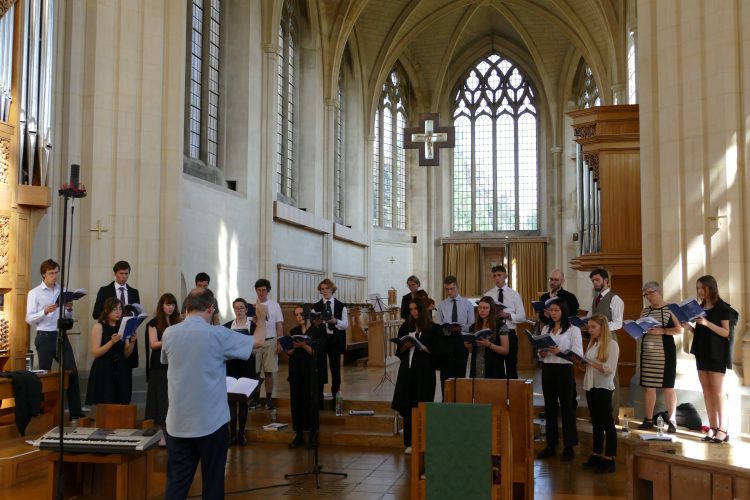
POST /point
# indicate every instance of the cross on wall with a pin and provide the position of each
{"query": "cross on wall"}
(429, 138)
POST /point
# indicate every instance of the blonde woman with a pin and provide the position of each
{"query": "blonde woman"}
(598, 382)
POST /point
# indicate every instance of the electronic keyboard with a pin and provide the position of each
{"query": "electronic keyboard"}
(95, 440)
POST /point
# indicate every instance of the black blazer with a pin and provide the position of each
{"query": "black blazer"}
(571, 302)
(338, 310)
(108, 291)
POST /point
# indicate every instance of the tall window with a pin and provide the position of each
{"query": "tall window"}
(389, 161)
(203, 88)
(338, 156)
(495, 186)
(587, 94)
(287, 91)
(632, 67)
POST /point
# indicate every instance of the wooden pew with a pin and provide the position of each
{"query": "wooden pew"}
(494, 392)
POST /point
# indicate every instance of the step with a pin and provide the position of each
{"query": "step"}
(381, 422)
(329, 435)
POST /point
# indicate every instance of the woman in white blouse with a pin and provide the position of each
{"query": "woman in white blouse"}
(601, 358)
(558, 382)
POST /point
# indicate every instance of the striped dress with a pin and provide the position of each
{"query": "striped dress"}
(658, 352)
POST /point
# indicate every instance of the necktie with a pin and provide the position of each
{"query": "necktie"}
(122, 295)
(500, 295)
(454, 314)
(329, 312)
(598, 299)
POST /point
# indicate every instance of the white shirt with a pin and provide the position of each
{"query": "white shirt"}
(125, 291)
(37, 299)
(341, 324)
(512, 300)
(617, 306)
(570, 340)
(593, 377)
(273, 316)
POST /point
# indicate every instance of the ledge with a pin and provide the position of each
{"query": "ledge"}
(300, 218)
(33, 196)
(350, 235)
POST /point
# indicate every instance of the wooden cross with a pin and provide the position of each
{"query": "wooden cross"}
(429, 138)
(99, 230)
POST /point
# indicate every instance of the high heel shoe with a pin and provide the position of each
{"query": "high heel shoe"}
(716, 438)
(709, 437)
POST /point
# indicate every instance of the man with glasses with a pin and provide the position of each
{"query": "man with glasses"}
(556, 290)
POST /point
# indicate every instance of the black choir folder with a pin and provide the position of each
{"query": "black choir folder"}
(640, 327)
(129, 324)
(74, 295)
(540, 342)
(242, 386)
(687, 310)
(580, 322)
(285, 341)
(572, 356)
(399, 341)
(472, 338)
(540, 306)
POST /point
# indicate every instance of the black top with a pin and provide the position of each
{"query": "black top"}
(405, 306)
(570, 300)
(300, 362)
(110, 375)
(415, 383)
(707, 344)
(494, 363)
(108, 291)
(153, 356)
(239, 368)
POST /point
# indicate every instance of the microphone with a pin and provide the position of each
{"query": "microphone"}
(74, 188)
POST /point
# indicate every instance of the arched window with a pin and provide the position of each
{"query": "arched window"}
(587, 94)
(202, 103)
(287, 102)
(495, 186)
(389, 161)
(338, 156)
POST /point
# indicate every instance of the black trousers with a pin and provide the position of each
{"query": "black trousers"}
(238, 408)
(558, 386)
(332, 350)
(407, 427)
(511, 360)
(46, 348)
(453, 360)
(183, 455)
(600, 407)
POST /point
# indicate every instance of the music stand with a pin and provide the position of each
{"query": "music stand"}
(379, 306)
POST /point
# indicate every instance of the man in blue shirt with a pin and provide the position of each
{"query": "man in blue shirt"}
(195, 353)
(458, 313)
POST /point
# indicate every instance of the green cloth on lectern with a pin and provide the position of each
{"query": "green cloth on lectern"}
(458, 460)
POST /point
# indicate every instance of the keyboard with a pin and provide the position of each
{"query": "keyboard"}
(95, 440)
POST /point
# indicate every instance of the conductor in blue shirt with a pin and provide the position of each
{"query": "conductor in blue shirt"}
(195, 353)
(458, 314)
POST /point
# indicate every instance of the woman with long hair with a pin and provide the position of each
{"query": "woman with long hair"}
(110, 375)
(558, 382)
(239, 368)
(416, 375)
(599, 383)
(488, 357)
(711, 349)
(157, 400)
(306, 369)
(658, 357)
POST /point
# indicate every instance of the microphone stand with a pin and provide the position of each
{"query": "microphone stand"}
(316, 469)
(67, 191)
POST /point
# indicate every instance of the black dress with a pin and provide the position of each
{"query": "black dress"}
(239, 368)
(712, 351)
(157, 399)
(416, 380)
(303, 395)
(110, 377)
(493, 363)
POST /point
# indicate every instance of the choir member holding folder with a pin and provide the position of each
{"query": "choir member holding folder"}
(558, 382)
(240, 368)
(307, 373)
(110, 377)
(488, 354)
(416, 375)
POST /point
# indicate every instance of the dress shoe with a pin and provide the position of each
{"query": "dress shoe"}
(646, 425)
(718, 439)
(547, 452)
(567, 454)
(592, 462)
(241, 439)
(709, 437)
(671, 429)
(605, 466)
(298, 441)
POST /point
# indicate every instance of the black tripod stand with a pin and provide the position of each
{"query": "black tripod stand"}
(72, 190)
(316, 469)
